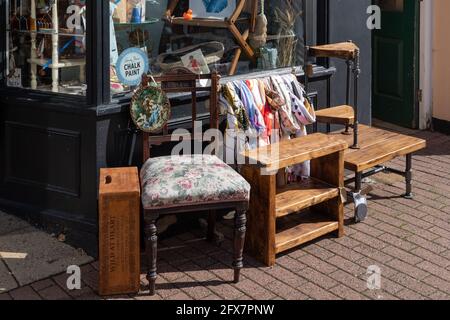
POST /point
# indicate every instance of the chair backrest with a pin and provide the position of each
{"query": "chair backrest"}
(182, 80)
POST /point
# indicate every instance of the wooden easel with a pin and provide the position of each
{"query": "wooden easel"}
(227, 23)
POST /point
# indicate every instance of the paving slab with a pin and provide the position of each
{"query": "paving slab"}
(7, 281)
(9, 223)
(32, 254)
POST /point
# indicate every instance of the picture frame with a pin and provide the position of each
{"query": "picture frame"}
(196, 62)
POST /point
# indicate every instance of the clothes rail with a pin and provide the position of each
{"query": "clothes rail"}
(297, 71)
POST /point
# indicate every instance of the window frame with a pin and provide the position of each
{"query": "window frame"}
(95, 74)
(315, 33)
(97, 59)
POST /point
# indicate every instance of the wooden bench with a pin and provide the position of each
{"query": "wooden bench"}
(276, 221)
(378, 146)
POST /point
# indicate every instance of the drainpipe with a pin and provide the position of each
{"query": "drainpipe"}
(426, 64)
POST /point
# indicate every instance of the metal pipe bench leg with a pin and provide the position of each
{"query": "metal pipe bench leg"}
(408, 177)
(359, 199)
(356, 71)
(348, 91)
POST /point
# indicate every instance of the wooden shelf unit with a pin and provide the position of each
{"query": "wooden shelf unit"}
(271, 205)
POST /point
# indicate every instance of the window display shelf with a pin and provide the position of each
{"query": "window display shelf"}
(63, 63)
(66, 89)
(49, 32)
(56, 62)
(136, 24)
(205, 22)
(44, 37)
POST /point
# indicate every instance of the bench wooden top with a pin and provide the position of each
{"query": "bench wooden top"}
(377, 147)
(290, 152)
(343, 50)
(344, 115)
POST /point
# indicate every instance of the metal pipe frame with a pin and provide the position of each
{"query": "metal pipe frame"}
(347, 96)
(358, 182)
(366, 174)
(407, 174)
(356, 73)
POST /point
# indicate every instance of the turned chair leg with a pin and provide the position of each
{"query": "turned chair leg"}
(151, 246)
(239, 239)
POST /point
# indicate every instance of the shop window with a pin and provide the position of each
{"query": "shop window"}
(142, 24)
(46, 45)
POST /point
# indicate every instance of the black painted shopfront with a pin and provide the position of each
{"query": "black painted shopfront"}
(52, 144)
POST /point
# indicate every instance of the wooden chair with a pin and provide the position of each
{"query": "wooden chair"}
(190, 183)
(347, 114)
(227, 23)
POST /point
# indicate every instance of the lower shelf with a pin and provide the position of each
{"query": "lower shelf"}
(303, 229)
(295, 197)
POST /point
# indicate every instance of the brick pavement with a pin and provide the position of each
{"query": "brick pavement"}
(408, 239)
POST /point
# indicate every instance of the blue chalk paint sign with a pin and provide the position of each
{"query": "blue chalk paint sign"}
(131, 66)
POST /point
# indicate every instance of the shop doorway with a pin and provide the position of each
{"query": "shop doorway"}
(396, 63)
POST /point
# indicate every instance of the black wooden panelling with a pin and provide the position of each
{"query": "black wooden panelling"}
(43, 158)
(47, 159)
(48, 169)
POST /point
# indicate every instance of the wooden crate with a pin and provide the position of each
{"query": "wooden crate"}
(119, 241)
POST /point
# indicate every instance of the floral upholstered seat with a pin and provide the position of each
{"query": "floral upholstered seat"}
(174, 181)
